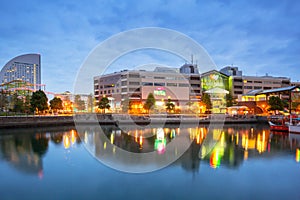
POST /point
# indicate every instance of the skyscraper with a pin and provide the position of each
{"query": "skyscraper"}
(26, 68)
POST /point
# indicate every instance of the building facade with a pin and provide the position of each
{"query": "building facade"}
(240, 84)
(264, 83)
(25, 68)
(135, 85)
(216, 84)
(183, 86)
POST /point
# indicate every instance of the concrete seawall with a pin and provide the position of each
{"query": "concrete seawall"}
(46, 121)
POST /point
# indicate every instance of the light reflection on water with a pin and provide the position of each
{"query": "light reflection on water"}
(37, 153)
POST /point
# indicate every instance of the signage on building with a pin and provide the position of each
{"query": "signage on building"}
(160, 91)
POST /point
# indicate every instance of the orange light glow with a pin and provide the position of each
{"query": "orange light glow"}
(246, 155)
(73, 137)
(141, 141)
(66, 141)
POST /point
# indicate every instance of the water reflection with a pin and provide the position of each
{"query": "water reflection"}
(25, 151)
(230, 146)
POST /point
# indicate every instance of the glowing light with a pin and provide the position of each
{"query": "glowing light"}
(104, 145)
(246, 155)
(136, 136)
(112, 138)
(141, 141)
(160, 92)
(297, 155)
(66, 141)
(198, 139)
(215, 160)
(73, 137)
(173, 133)
(160, 141)
(86, 137)
(160, 146)
(160, 135)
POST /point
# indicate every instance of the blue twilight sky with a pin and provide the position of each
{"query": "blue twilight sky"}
(257, 36)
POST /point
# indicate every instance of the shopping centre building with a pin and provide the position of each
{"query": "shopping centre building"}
(164, 83)
(184, 86)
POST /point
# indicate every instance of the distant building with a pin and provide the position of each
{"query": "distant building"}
(76, 102)
(189, 69)
(240, 84)
(231, 71)
(25, 68)
(264, 82)
(295, 83)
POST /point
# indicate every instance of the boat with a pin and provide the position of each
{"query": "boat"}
(294, 125)
(278, 123)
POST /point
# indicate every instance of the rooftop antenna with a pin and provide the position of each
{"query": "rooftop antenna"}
(192, 59)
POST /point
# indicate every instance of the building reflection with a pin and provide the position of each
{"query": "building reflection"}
(232, 145)
(228, 147)
(25, 151)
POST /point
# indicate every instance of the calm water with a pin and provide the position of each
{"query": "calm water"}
(241, 162)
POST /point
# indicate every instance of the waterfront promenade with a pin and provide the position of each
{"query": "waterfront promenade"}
(116, 119)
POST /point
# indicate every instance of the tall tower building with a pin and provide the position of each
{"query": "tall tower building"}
(26, 68)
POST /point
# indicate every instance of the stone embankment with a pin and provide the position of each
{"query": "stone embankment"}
(112, 119)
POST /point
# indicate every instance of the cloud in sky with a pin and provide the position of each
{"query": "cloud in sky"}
(257, 36)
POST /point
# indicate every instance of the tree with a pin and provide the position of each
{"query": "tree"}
(150, 102)
(170, 106)
(275, 103)
(206, 100)
(229, 100)
(39, 101)
(18, 103)
(104, 104)
(3, 100)
(78, 103)
(90, 103)
(27, 106)
(56, 104)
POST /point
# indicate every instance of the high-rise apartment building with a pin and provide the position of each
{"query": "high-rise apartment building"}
(26, 68)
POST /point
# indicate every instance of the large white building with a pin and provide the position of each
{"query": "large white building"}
(135, 85)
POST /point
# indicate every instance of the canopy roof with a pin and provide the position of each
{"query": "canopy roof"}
(217, 90)
(271, 91)
(279, 90)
